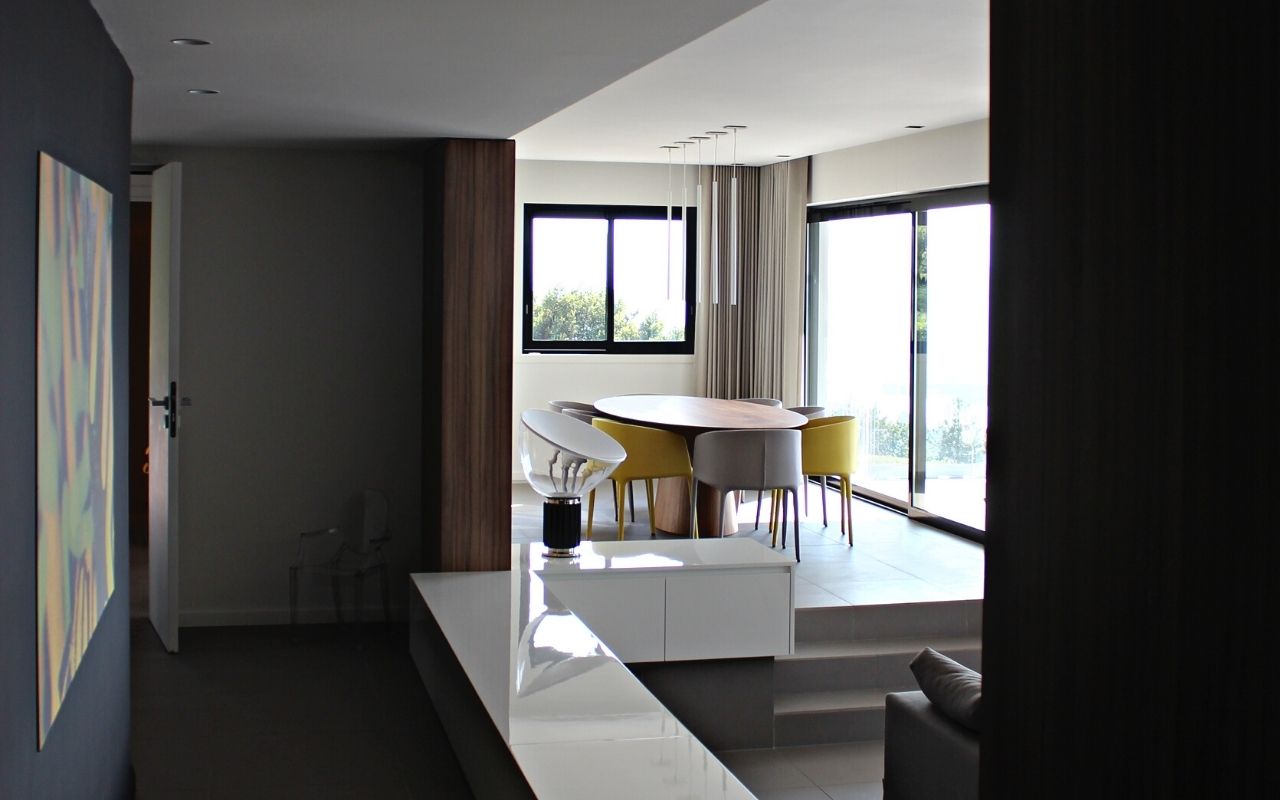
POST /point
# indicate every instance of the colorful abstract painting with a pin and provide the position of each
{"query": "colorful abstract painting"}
(75, 541)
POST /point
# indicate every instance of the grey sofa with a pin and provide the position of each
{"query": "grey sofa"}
(926, 755)
(931, 745)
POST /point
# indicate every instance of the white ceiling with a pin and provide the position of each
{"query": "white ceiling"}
(571, 79)
(804, 76)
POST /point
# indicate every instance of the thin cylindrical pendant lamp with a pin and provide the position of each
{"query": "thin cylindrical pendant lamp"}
(668, 148)
(734, 263)
(715, 217)
(700, 266)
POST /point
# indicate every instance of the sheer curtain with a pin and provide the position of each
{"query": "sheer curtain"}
(750, 330)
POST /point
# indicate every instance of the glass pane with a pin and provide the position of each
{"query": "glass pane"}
(648, 299)
(952, 367)
(861, 340)
(569, 263)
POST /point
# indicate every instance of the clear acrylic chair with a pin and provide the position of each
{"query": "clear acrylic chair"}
(352, 549)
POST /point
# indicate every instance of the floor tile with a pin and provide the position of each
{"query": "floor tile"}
(798, 793)
(871, 790)
(831, 764)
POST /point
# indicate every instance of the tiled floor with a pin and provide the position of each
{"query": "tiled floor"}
(268, 712)
(892, 560)
(820, 772)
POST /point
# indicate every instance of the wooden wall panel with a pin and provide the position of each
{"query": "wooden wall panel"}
(467, 335)
(1133, 423)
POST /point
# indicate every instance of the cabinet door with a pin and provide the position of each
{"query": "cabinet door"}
(625, 612)
(728, 614)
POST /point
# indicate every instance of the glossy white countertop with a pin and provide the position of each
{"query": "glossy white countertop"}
(578, 722)
(656, 554)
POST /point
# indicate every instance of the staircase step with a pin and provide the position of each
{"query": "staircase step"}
(803, 718)
(851, 623)
(858, 665)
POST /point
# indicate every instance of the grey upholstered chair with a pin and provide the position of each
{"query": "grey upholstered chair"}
(761, 401)
(751, 459)
(562, 405)
(812, 412)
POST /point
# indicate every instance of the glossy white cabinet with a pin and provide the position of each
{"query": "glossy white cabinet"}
(627, 611)
(676, 600)
(730, 614)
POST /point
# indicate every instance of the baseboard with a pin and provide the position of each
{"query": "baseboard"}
(208, 618)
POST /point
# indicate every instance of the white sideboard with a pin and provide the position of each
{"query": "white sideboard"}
(676, 600)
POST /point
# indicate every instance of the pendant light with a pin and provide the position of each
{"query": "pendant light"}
(734, 266)
(699, 269)
(668, 148)
(683, 263)
(786, 212)
(715, 217)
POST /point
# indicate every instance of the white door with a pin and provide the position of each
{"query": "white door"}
(162, 385)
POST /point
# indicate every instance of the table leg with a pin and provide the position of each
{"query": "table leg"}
(715, 512)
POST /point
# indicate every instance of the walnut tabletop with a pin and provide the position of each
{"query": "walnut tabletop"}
(701, 413)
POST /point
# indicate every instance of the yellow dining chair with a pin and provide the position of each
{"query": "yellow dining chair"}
(651, 453)
(829, 446)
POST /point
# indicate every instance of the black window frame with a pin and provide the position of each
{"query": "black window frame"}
(611, 213)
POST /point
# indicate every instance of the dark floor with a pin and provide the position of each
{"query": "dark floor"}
(268, 712)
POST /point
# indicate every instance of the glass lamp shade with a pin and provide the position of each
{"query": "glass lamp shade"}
(563, 459)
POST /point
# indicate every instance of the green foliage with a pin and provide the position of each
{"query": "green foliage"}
(569, 316)
(949, 442)
(577, 315)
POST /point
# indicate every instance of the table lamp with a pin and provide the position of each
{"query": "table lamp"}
(563, 459)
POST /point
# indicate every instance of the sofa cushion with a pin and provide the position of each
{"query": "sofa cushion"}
(952, 687)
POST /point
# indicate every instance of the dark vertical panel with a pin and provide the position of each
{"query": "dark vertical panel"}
(139, 323)
(1133, 427)
(64, 89)
(468, 259)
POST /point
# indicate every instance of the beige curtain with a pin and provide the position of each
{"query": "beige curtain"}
(721, 283)
(754, 347)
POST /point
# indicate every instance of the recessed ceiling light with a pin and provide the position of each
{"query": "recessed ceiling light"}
(915, 126)
(203, 91)
(188, 41)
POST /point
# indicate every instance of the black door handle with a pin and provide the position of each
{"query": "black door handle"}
(170, 405)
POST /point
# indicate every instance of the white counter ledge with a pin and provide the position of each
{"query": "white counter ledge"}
(576, 720)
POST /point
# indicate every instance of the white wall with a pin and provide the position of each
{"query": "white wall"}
(301, 348)
(539, 378)
(931, 159)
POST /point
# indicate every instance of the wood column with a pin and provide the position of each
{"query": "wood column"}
(468, 277)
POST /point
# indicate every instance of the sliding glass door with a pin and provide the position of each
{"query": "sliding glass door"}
(897, 337)
(860, 341)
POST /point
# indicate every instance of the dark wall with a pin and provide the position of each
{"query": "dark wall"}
(64, 89)
(1133, 414)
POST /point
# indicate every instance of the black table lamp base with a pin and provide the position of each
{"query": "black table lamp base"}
(562, 526)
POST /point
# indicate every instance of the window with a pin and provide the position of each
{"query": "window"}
(897, 333)
(598, 279)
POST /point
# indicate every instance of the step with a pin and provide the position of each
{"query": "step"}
(850, 715)
(869, 622)
(859, 665)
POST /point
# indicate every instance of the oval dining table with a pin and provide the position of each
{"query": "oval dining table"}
(690, 416)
